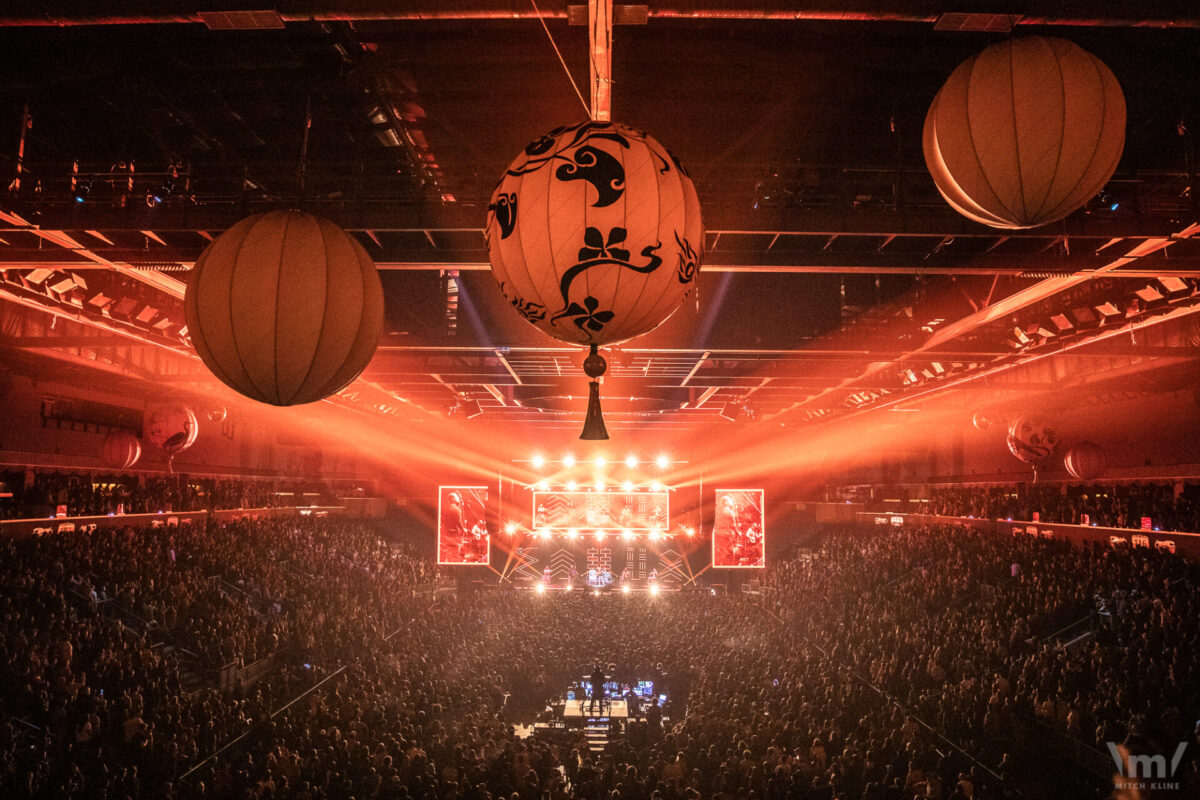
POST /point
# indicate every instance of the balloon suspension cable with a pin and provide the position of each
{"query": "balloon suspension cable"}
(561, 60)
(302, 168)
(593, 425)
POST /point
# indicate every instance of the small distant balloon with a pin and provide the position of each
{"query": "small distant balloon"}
(1086, 461)
(981, 421)
(1031, 440)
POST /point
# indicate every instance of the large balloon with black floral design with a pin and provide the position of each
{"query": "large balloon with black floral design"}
(594, 233)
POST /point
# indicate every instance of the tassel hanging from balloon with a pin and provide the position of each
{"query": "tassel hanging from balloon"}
(593, 425)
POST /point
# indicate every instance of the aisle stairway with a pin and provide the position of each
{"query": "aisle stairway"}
(595, 730)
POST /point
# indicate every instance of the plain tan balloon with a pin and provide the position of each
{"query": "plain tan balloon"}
(1025, 132)
(285, 308)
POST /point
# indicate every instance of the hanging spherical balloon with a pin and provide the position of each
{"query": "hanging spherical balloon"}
(1030, 440)
(172, 429)
(216, 414)
(285, 308)
(1086, 461)
(1025, 132)
(594, 235)
(121, 450)
(981, 421)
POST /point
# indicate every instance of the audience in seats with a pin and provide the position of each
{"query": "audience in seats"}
(93, 494)
(1170, 507)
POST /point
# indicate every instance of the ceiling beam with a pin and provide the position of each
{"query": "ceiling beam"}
(1016, 266)
(1164, 14)
(1022, 299)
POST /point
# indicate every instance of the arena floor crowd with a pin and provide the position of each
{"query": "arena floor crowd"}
(882, 666)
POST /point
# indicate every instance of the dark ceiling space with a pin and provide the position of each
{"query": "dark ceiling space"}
(825, 232)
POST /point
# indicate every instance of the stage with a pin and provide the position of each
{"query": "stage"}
(624, 588)
(613, 709)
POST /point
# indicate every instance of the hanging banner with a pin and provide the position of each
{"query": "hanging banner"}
(462, 525)
(738, 532)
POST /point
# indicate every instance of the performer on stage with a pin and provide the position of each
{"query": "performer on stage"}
(597, 689)
(546, 575)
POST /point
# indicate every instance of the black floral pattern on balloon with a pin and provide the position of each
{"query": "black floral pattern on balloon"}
(688, 261)
(598, 250)
(595, 246)
(544, 143)
(678, 165)
(505, 210)
(531, 311)
(586, 316)
(601, 170)
(664, 166)
(542, 151)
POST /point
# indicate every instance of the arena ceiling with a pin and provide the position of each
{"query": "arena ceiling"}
(836, 280)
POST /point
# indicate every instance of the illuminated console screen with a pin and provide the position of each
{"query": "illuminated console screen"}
(614, 690)
(612, 511)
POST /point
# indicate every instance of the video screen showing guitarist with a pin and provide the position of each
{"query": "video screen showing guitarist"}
(462, 529)
(738, 529)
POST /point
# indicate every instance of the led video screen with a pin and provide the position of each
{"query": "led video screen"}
(738, 531)
(602, 511)
(462, 525)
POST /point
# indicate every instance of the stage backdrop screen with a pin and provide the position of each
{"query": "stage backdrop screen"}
(462, 525)
(738, 531)
(602, 511)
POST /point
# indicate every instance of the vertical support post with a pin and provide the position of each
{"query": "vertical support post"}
(26, 124)
(600, 50)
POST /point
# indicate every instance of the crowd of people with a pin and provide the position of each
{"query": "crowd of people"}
(888, 665)
(999, 641)
(92, 494)
(1167, 506)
